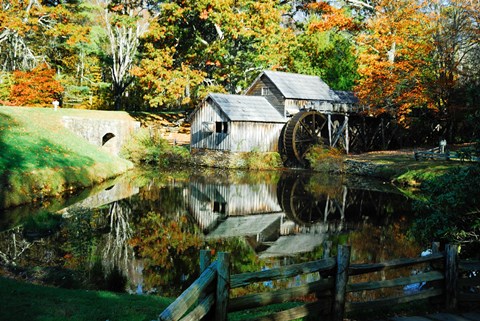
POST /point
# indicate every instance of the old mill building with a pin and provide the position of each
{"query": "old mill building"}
(275, 112)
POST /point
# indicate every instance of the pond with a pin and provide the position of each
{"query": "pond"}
(142, 232)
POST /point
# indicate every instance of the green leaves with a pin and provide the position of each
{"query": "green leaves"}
(451, 210)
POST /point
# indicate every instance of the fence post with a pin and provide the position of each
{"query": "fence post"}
(451, 275)
(341, 279)
(223, 286)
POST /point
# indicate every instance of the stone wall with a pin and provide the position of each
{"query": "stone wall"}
(110, 135)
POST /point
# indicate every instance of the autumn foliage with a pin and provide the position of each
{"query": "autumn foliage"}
(37, 87)
(395, 55)
(332, 18)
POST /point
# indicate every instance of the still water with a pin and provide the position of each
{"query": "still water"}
(142, 232)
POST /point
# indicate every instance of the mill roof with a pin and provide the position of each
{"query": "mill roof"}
(247, 108)
(297, 86)
(347, 97)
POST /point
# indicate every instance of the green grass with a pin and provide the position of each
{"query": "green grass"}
(23, 301)
(40, 157)
(403, 169)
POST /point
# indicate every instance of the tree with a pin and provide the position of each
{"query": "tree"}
(124, 23)
(396, 50)
(456, 57)
(325, 46)
(215, 45)
(35, 88)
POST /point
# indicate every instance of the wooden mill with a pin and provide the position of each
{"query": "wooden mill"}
(280, 112)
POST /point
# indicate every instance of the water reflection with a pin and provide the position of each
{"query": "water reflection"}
(143, 232)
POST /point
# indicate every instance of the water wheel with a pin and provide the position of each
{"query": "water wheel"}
(301, 132)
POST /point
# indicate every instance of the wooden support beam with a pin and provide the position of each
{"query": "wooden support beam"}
(341, 279)
(223, 286)
(347, 136)
(329, 118)
(451, 275)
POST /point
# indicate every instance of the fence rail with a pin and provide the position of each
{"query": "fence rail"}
(448, 278)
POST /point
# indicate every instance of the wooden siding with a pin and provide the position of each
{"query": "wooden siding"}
(247, 136)
(200, 138)
(292, 106)
(241, 136)
(275, 97)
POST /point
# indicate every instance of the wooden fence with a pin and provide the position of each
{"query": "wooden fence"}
(443, 153)
(447, 278)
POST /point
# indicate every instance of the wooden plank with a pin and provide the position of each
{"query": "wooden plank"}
(309, 309)
(446, 317)
(223, 281)
(263, 299)
(325, 265)
(356, 269)
(388, 302)
(341, 279)
(451, 275)
(423, 277)
(201, 309)
(180, 306)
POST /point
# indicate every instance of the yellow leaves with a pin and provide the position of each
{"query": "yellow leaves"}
(396, 54)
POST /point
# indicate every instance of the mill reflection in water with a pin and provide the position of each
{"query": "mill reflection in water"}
(292, 216)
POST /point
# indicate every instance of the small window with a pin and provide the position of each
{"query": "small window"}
(221, 127)
(265, 91)
(219, 207)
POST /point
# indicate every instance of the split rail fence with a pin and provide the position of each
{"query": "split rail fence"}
(448, 279)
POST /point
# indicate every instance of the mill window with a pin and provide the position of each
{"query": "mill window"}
(221, 127)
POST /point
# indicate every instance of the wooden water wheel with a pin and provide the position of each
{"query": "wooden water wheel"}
(301, 132)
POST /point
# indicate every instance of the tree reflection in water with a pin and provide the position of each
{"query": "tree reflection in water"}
(150, 236)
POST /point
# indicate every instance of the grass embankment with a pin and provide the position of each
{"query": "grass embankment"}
(39, 157)
(399, 167)
(23, 301)
(26, 301)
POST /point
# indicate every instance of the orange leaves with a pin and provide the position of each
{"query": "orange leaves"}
(35, 88)
(331, 18)
(395, 57)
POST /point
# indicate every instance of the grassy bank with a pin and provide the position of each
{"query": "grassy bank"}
(23, 301)
(40, 157)
(398, 166)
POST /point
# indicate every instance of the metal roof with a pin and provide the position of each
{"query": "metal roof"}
(247, 108)
(346, 97)
(297, 86)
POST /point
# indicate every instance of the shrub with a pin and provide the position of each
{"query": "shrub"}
(148, 147)
(37, 87)
(262, 160)
(323, 159)
(450, 210)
